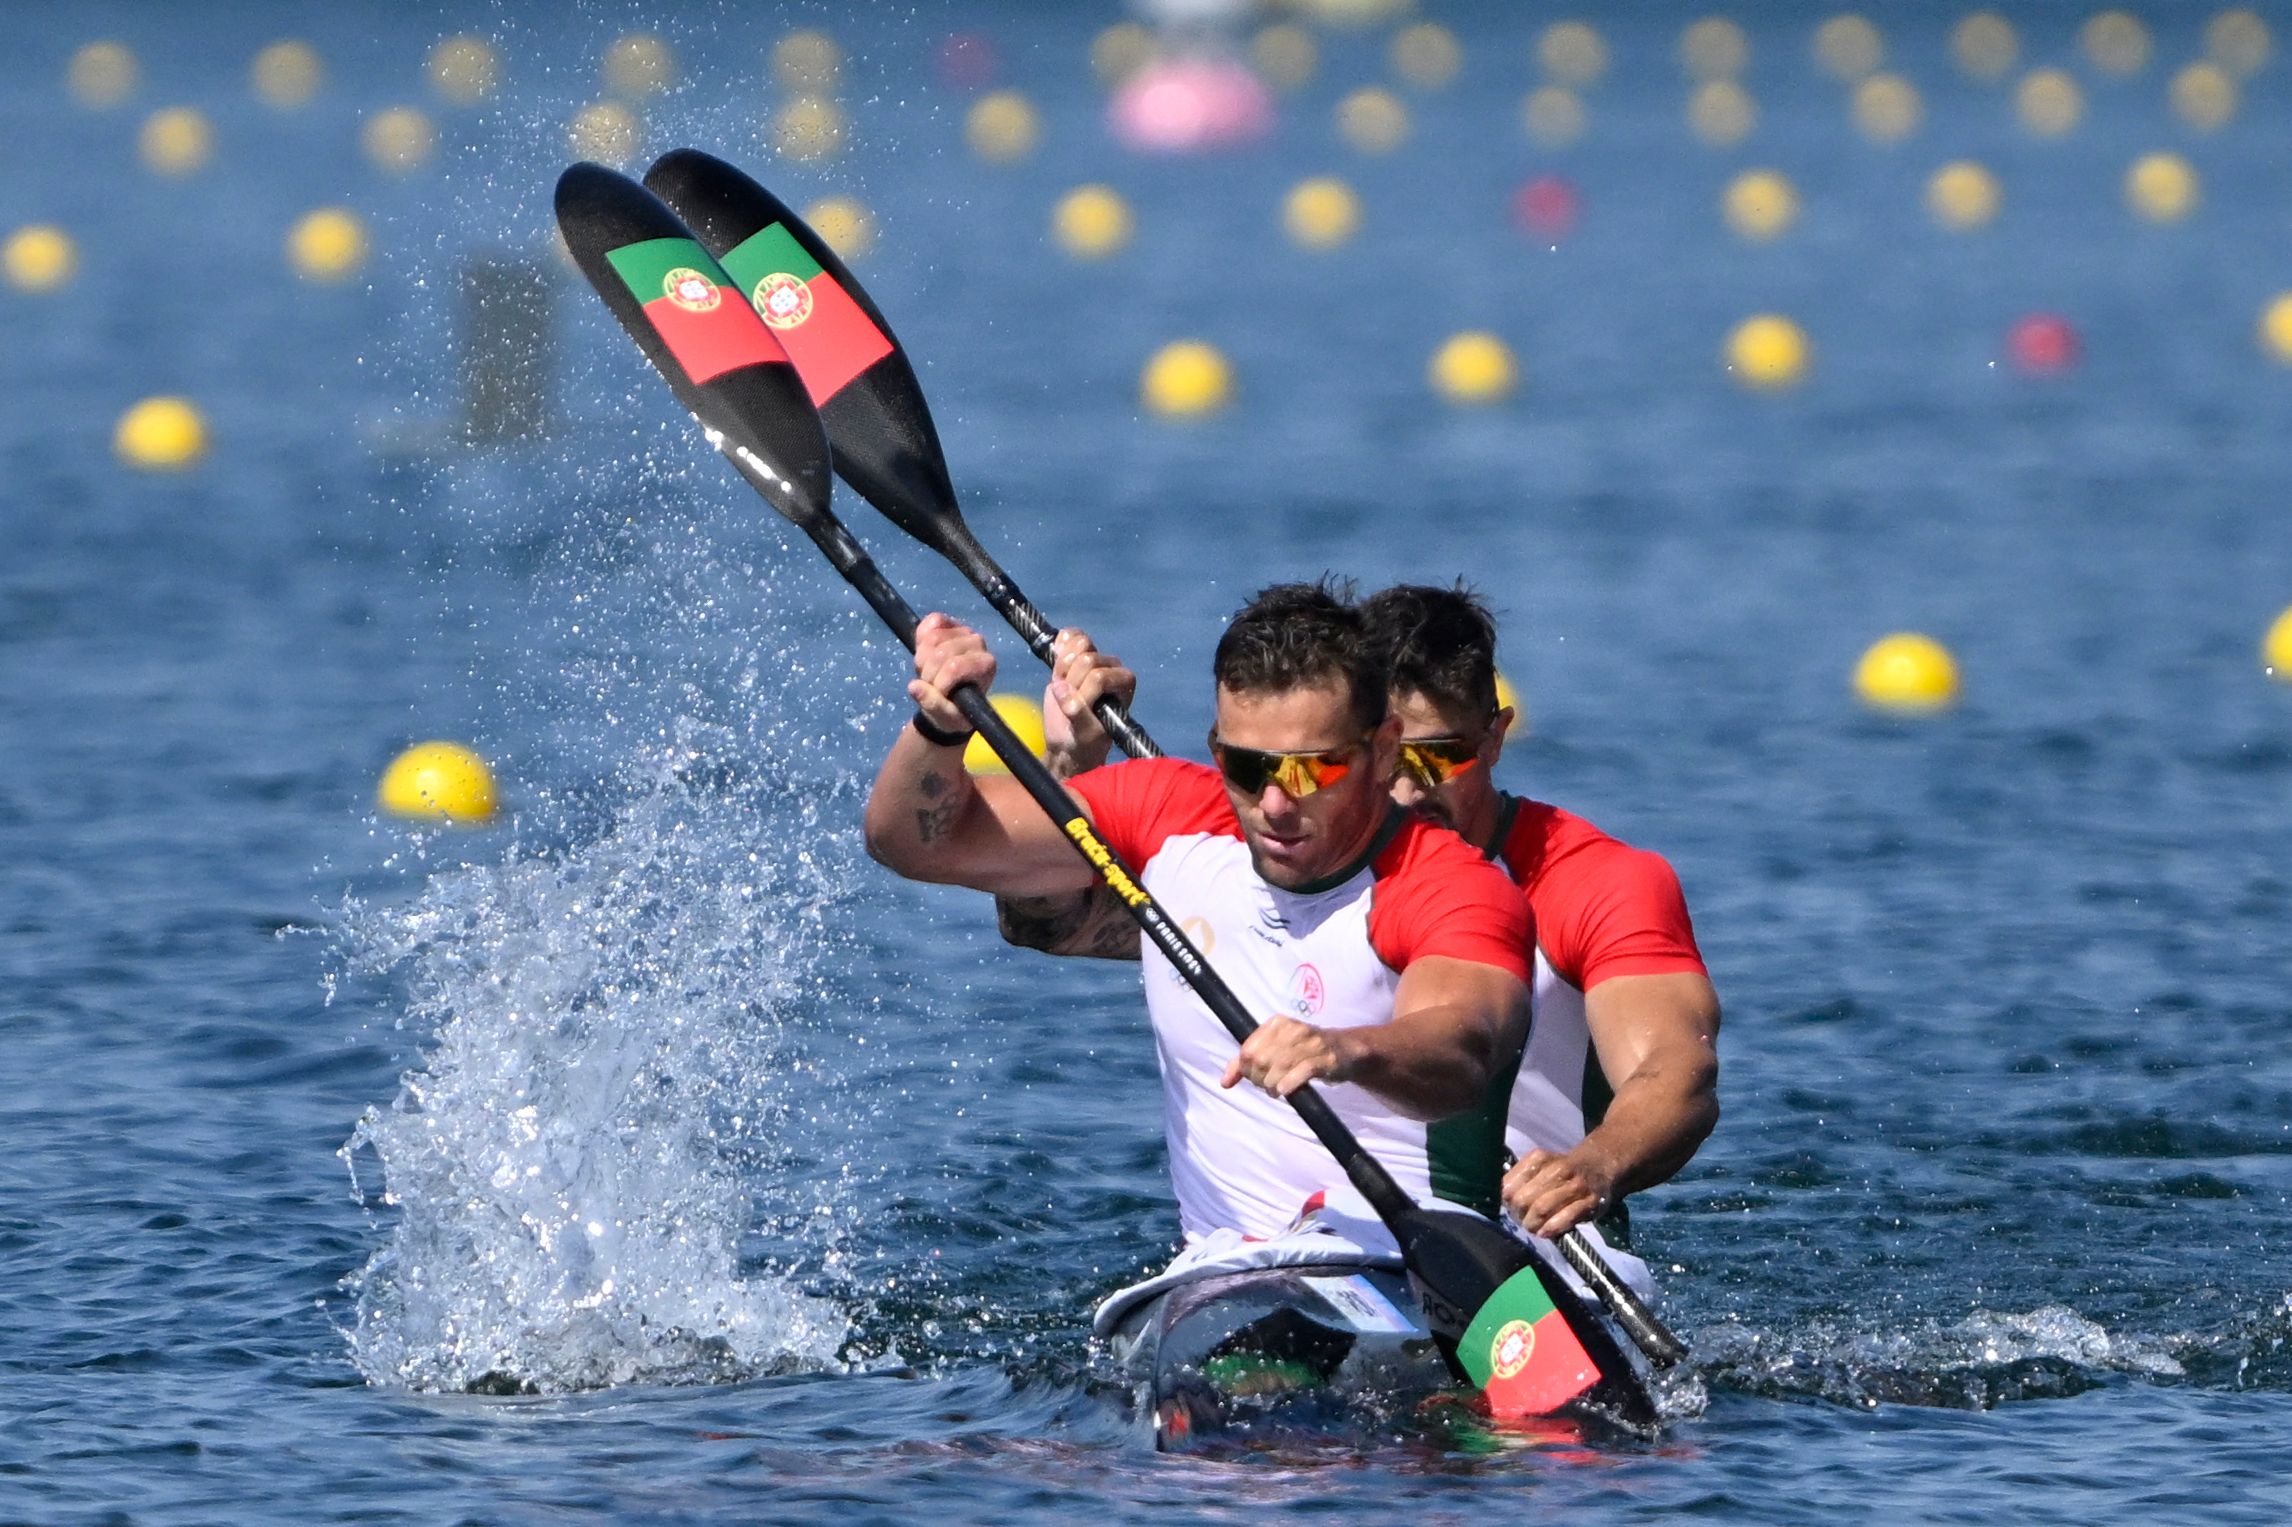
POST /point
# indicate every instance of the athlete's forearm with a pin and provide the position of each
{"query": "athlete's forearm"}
(1092, 924)
(923, 805)
(1427, 1064)
(1660, 1115)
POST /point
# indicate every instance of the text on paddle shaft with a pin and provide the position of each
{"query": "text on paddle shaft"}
(1117, 879)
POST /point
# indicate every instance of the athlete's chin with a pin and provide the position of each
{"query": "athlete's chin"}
(1285, 862)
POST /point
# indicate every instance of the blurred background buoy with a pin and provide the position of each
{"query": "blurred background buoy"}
(2238, 41)
(287, 74)
(2276, 328)
(1714, 48)
(175, 141)
(1887, 108)
(808, 129)
(1321, 213)
(637, 66)
(1186, 379)
(2161, 188)
(1285, 56)
(464, 70)
(1373, 120)
(2204, 96)
(1426, 55)
(39, 258)
(1985, 47)
(1186, 105)
(398, 140)
(102, 75)
(2049, 103)
(2044, 344)
(1023, 716)
(1572, 53)
(808, 62)
(1554, 116)
(2117, 43)
(607, 132)
(1722, 113)
(1547, 207)
(2276, 648)
(327, 245)
(1767, 353)
(1761, 205)
(845, 222)
(1473, 367)
(1849, 47)
(1907, 673)
(1091, 222)
(438, 782)
(1508, 698)
(1121, 51)
(1001, 127)
(1963, 195)
(164, 434)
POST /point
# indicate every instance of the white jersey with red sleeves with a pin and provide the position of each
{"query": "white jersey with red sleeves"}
(1330, 954)
(1602, 908)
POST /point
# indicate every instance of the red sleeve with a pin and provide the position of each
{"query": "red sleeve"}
(1436, 897)
(1613, 910)
(1137, 804)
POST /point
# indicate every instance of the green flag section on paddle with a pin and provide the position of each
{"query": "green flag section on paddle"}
(829, 337)
(696, 311)
(1521, 1352)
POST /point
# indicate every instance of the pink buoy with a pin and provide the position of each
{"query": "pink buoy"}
(1186, 105)
(2044, 344)
(1547, 207)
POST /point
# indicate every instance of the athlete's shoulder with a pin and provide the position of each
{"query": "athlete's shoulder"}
(1602, 906)
(1437, 895)
(1140, 803)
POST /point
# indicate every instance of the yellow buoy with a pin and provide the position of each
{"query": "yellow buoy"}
(2049, 102)
(438, 782)
(1985, 47)
(398, 140)
(1321, 213)
(1426, 55)
(2276, 328)
(1373, 120)
(1849, 47)
(1121, 51)
(1768, 353)
(1285, 55)
(1508, 698)
(605, 131)
(102, 75)
(2204, 96)
(1091, 222)
(1887, 108)
(1714, 49)
(464, 69)
(327, 245)
(2238, 41)
(287, 74)
(1473, 367)
(1553, 115)
(1022, 716)
(807, 61)
(1963, 195)
(39, 258)
(1572, 53)
(1186, 379)
(160, 435)
(175, 141)
(1001, 127)
(2276, 649)
(1907, 673)
(637, 66)
(2116, 42)
(1722, 113)
(1761, 205)
(809, 128)
(2161, 188)
(845, 223)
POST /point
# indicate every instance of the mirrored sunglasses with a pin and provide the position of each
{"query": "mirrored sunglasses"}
(1250, 770)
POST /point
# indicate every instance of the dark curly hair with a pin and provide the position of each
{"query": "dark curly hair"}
(1295, 635)
(1435, 642)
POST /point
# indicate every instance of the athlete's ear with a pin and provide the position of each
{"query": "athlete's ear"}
(1498, 728)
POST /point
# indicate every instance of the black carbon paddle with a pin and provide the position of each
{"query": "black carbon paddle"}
(861, 381)
(885, 445)
(1511, 1324)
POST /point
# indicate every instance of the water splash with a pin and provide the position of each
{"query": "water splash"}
(618, 1043)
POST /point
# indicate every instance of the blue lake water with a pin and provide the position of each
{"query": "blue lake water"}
(785, 1185)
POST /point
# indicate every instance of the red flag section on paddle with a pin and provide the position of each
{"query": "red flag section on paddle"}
(829, 337)
(698, 314)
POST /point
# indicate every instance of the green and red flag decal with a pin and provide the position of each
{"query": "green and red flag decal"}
(829, 337)
(692, 306)
(1520, 1351)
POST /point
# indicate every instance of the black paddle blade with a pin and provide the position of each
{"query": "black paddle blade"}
(857, 375)
(1512, 1324)
(717, 356)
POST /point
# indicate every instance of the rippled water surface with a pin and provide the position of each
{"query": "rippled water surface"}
(653, 1157)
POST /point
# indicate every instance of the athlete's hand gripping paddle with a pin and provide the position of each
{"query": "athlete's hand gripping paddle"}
(1514, 1328)
(885, 445)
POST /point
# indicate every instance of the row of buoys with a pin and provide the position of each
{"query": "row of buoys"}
(329, 244)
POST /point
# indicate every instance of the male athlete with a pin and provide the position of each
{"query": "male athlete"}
(1618, 1085)
(1386, 958)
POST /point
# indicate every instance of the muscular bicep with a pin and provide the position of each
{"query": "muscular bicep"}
(996, 838)
(1091, 924)
(1481, 1008)
(1669, 1021)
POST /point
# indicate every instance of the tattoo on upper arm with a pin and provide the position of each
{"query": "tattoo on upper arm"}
(933, 785)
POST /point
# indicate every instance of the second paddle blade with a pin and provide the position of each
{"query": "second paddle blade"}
(701, 335)
(857, 375)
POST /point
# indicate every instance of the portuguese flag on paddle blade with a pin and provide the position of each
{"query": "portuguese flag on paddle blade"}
(698, 314)
(829, 337)
(1522, 1354)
